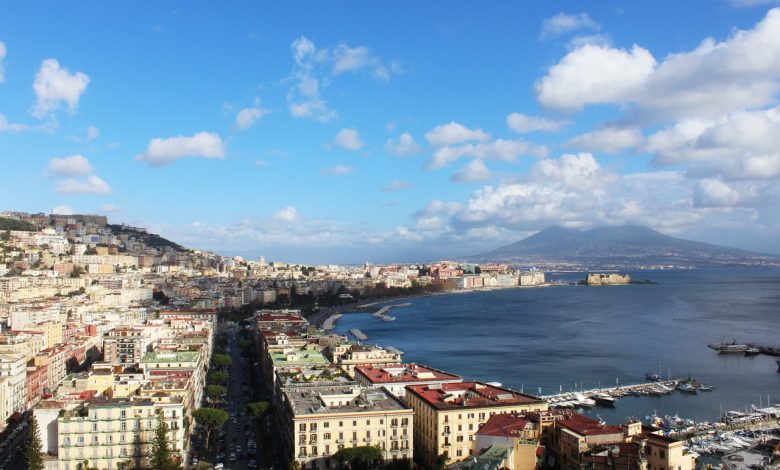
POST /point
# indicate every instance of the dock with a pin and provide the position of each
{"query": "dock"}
(358, 334)
(607, 396)
(330, 322)
(742, 348)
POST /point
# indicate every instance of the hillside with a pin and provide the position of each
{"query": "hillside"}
(14, 224)
(150, 239)
(626, 246)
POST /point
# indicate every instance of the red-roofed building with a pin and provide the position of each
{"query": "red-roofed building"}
(517, 433)
(395, 378)
(447, 416)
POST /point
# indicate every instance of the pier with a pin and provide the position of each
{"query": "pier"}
(745, 348)
(607, 396)
(358, 334)
(330, 322)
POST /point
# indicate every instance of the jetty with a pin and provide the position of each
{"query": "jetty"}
(745, 348)
(358, 334)
(607, 396)
(330, 322)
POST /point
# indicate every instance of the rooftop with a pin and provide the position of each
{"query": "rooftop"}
(342, 399)
(470, 394)
(403, 373)
(299, 357)
(586, 426)
(505, 425)
(168, 356)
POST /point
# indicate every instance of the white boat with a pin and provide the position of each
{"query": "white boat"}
(604, 399)
(582, 400)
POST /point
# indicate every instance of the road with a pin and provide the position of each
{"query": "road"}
(12, 443)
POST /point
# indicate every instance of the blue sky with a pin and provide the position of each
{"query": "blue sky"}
(351, 131)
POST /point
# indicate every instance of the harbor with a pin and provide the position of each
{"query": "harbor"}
(747, 349)
(608, 396)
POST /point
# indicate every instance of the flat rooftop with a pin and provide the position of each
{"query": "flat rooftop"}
(404, 373)
(586, 426)
(342, 399)
(470, 394)
(300, 357)
(170, 356)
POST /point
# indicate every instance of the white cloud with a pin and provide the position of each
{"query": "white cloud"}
(350, 59)
(338, 170)
(403, 147)
(522, 123)
(713, 79)
(348, 139)
(563, 23)
(62, 209)
(111, 209)
(472, 172)
(165, 151)
(75, 165)
(608, 139)
(716, 193)
(454, 133)
(3, 52)
(501, 149)
(397, 185)
(6, 126)
(594, 74)
(55, 86)
(247, 117)
(91, 185)
(92, 133)
(289, 215)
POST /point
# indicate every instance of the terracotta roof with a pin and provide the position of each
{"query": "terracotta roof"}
(504, 425)
(403, 373)
(469, 394)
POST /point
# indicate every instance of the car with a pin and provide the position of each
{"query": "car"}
(252, 464)
(233, 457)
(221, 456)
(219, 466)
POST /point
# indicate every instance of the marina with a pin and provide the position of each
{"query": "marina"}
(747, 349)
(608, 396)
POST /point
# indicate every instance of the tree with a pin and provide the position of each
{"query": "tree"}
(257, 409)
(33, 449)
(161, 450)
(359, 458)
(220, 378)
(222, 360)
(215, 391)
(210, 418)
(294, 465)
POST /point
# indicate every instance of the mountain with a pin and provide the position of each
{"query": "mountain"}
(623, 246)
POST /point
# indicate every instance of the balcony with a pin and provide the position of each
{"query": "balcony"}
(339, 441)
(394, 438)
(366, 439)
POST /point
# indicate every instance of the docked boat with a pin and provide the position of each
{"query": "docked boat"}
(583, 401)
(686, 387)
(752, 351)
(653, 376)
(604, 400)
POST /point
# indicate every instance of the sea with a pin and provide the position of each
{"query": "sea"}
(569, 337)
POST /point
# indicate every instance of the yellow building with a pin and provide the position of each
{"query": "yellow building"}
(319, 421)
(666, 453)
(446, 416)
(349, 355)
(108, 432)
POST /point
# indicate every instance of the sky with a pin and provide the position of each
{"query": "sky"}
(343, 132)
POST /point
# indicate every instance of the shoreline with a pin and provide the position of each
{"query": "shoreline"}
(320, 319)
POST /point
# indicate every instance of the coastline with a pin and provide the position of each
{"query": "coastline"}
(321, 319)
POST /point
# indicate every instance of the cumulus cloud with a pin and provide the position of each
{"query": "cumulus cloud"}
(165, 151)
(247, 117)
(338, 170)
(289, 215)
(563, 23)
(90, 185)
(454, 133)
(56, 87)
(474, 171)
(62, 209)
(397, 185)
(500, 149)
(716, 193)
(74, 165)
(523, 124)
(315, 67)
(404, 146)
(608, 139)
(6, 126)
(715, 78)
(348, 139)
(3, 52)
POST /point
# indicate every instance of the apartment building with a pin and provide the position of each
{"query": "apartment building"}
(395, 378)
(126, 345)
(115, 433)
(446, 416)
(319, 421)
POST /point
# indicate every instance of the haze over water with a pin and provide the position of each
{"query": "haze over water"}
(556, 336)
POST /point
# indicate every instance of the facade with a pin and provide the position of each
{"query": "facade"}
(109, 432)
(125, 345)
(321, 420)
(447, 416)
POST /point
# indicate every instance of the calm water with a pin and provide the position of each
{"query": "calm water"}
(553, 337)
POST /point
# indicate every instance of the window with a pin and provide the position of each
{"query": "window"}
(94, 427)
(313, 450)
(302, 452)
(302, 427)
(354, 423)
(326, 436)
(123, 414)
(459, 452)
(662, 454)
(94, 439)
(326, 425)
(313, 427)
(302, 439)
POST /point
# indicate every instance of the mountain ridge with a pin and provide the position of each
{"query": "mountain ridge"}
(620, 246)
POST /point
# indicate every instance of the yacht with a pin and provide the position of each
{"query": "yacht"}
(686, 387)
(752, 351)
(604, 399)
(582, 400)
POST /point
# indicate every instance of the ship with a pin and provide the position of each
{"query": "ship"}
(686, 387)
(752, 351)
(778, 364)
(729, 348)
(603, 399)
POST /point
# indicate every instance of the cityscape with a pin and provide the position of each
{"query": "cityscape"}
(390, 236)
